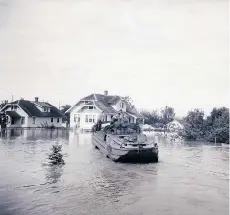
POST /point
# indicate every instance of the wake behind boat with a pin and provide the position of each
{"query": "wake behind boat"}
(129, 146)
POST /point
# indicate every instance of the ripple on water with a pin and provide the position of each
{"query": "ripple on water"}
(188, 176)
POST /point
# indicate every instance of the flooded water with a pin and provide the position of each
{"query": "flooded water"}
(190, 178)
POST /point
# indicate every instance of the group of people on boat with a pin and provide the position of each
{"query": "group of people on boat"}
(118, 121)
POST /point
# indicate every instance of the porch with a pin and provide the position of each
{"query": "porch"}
(14, 119)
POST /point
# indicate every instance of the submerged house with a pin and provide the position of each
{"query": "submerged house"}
(174, 126)
(85, 113)
(33, 114)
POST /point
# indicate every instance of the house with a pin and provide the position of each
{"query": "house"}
(175, 125)
(85, 113)
(24, 113)
(147, 127)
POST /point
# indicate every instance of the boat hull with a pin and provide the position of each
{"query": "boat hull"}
(118, 154)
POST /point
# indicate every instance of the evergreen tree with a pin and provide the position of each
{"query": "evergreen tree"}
(56, 156)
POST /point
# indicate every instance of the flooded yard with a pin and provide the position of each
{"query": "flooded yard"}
(190, 178)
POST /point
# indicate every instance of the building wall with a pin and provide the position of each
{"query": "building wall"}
(41, 121)
(82, 114)
(74, 112)
(88, 125)
(17, 122)
(118, 106)
(108, 117)
(29, 120)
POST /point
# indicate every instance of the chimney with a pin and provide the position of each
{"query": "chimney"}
(36, 99)
(106, 92)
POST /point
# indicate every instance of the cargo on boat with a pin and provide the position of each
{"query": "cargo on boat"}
(130, 145)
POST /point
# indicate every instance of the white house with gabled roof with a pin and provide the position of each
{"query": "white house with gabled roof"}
(85, 113)
(32, 114)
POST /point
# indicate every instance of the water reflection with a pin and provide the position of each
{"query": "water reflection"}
(35, 134)
(53, 173)
(189, 175)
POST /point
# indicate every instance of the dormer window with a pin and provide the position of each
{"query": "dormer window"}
(13, 107)
(45, 109)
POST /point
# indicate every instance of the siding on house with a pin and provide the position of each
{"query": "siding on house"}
(17, 122)
(106, 104)
(25, 112)
(40, 121)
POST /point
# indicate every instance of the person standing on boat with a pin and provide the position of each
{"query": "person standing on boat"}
(99, 121)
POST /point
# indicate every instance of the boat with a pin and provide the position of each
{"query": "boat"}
(128, 147)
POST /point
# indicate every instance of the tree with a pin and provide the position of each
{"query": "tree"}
(217, 125)
(64, 108)
(168, 114)
(3, 103)
(56, 157)
(129, 100)
(194, 125)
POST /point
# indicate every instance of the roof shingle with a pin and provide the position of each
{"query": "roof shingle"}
(104, 103)
(105, 107)
(31, 109)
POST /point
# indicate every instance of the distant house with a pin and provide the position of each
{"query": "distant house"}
(175, 125)
(147, 127)
(85, 113)
(24, 113)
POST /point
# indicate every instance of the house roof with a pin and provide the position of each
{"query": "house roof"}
(90, 97)
(105, 107)
(31, 109)
(107, 99)
(13, 114)
(104, 103)
(42, 104)
(102, 98)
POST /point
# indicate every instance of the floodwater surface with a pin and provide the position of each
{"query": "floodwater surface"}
(190, 178)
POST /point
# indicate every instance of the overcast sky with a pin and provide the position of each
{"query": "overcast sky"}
(159, 52)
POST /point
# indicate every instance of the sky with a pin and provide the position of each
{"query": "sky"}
(158, 52)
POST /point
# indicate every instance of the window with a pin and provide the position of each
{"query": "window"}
(90, 118)
(94, 118)
(15, 107)
(86, 118)
(57, 120)
(76, 118)
(12, 120)
(23, 120)
(34, 119)
(52, 119)
(122, 105)
(91, 107)
(46, 109)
